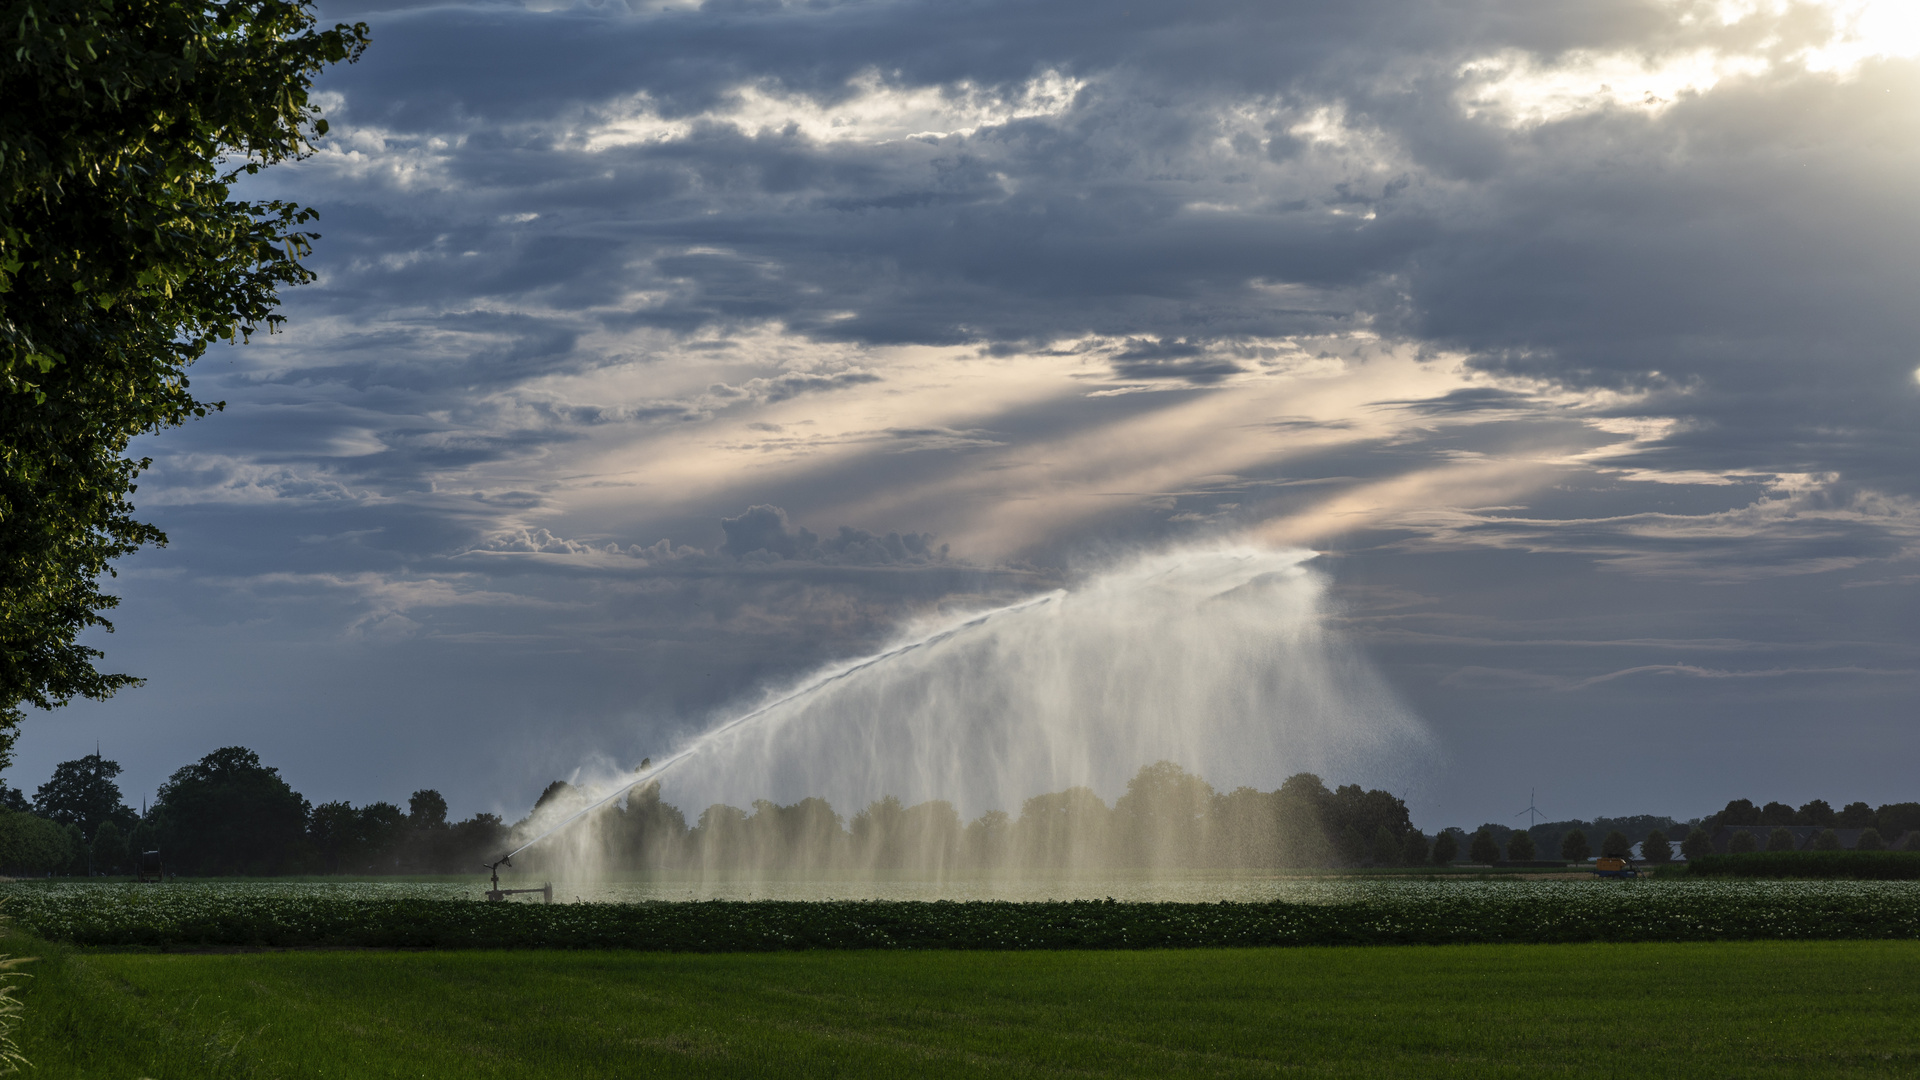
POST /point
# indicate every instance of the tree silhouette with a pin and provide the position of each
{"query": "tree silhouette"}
(1573, 847)
(1697, 844)
(1520, 846)
(82, 792)
(1483, 849)
(1656, 848)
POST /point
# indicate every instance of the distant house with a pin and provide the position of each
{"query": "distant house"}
(1802, 836)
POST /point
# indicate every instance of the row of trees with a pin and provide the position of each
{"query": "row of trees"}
(1575, 846)
(1890, 820)
(1168, 817)
(228, 814)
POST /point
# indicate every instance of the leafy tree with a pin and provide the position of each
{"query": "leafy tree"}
(1300, 814)
(1912, 842)
(1871, 840)
(1742, 842)
(1616, 845)
(333, 829)
(379, 833)
(1856, 815)
(427, 809)
(34, 845)
(229, 814)
(1353, 846)
(1520, 846)
(122, 258)
(480, 838)
(12, 798)
(1446, 847)
(1740, 812)
(1825, 840)
(1366, 811)
(1386, 847)
(109, 849)
(1656, 848)
(1895, 819)
(1779, 840)
(1163, 816)
(1574, 847)
(1064, 828)
(82, 792)
(1698, 842)
(1484, 849)
(1414, 851)
(1778, 813)
(1817, 812)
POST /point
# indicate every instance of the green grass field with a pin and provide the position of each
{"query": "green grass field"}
(1753, 1009)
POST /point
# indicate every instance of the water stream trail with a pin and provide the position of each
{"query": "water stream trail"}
(812, 686)
(1225, 659)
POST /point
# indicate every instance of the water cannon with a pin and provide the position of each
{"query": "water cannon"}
(497, 894)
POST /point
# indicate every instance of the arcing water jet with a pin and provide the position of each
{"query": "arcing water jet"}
(1219, 658)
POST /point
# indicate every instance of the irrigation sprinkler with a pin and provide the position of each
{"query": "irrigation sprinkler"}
(496, 893)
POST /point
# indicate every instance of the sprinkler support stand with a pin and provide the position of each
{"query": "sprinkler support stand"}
(496, 894)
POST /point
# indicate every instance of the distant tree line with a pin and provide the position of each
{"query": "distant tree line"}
(1890, 820)
(1657, 838)
(1168, 817)
(228, 814)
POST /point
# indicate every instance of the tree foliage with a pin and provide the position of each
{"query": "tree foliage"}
(1483, 849)
(1656, 848)
(229, 814)
(123, 257)
(1698, 843)
(82, 792)
(1574, 847)
(1520, 846)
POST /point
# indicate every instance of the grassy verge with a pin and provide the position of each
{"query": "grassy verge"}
(1772, 1009)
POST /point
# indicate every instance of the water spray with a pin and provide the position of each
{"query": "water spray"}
(814, 685)
(1221, 659)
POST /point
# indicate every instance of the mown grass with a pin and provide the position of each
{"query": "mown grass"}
(1751, 1009)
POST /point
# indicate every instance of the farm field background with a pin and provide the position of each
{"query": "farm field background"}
(1749, 1009)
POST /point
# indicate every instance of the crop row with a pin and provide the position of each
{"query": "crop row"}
(183, 919)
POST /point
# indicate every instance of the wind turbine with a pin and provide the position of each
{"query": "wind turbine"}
(1532, 809)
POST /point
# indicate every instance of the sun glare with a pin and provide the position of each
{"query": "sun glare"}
(1865, 30)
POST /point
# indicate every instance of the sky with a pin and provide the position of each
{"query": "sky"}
(663, 352)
